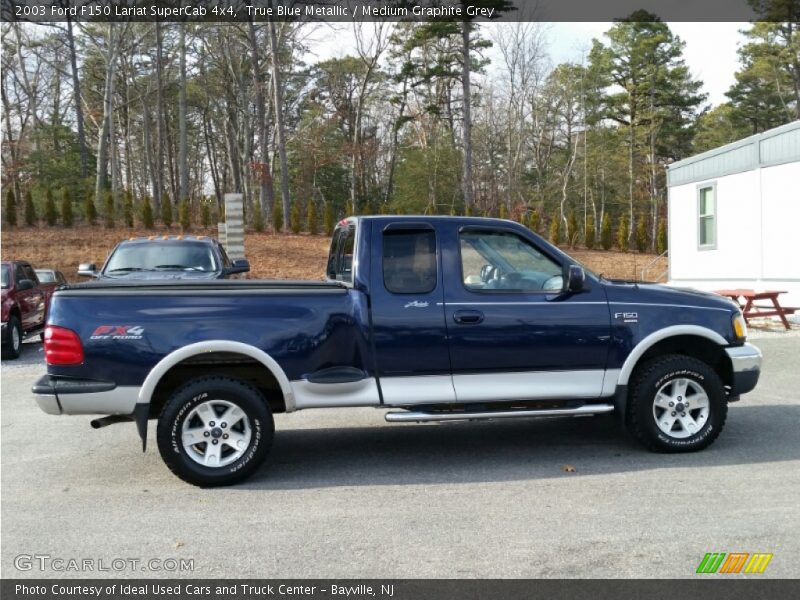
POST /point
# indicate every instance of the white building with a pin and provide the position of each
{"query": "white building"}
(734, 216)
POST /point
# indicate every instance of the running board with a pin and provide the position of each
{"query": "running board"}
(580, 411)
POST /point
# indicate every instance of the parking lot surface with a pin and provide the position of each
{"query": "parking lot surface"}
(345, 494)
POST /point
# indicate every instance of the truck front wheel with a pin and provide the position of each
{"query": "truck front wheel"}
(676, 404)
(215, 431)
(13, 345)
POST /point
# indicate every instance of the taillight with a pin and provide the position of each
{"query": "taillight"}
(62, 346)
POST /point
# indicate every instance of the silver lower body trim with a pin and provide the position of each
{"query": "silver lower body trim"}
(119, 401)
(48, 403)
(744, 358)
(331, 395)
(591, 409)
(529, 385)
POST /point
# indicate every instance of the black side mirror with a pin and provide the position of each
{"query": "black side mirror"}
(239, 265)
(575, 279)
(25, 284)
(87, 270)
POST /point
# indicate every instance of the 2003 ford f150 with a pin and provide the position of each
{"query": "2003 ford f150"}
(436, 318)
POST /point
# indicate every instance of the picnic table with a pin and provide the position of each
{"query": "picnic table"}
(747, 298)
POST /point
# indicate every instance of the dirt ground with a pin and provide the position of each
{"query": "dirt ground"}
(272, 256)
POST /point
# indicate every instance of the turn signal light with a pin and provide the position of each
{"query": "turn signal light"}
(739, 326)
(62, 346)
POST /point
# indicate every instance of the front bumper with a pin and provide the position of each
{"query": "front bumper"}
(746, 366)
(58, 396)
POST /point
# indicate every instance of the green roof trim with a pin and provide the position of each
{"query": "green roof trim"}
(774, 147)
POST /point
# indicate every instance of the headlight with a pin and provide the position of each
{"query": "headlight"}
(739, 326)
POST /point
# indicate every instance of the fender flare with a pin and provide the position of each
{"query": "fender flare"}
(649, 341)
(155, 375)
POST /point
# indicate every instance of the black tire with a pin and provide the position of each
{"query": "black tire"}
(180, 406)
(12, 349)
(659, 374)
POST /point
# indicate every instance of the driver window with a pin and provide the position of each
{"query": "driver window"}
(496, 260)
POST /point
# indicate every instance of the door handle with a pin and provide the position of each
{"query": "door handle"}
(468, 317)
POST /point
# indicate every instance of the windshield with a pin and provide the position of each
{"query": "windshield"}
(167, 256)
(6, 276)
(46, 276)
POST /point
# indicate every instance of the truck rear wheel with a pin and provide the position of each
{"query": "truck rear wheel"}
(215, 431)
(676, 404)
(13, 345)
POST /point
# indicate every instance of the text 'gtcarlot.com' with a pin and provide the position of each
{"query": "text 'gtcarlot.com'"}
(46, 562)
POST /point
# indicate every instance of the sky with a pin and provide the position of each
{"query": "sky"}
(710, 49)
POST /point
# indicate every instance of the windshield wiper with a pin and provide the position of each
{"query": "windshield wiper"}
(180, 267)
(128, 270)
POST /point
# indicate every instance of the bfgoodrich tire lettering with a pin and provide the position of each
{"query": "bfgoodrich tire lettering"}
(652, 392)
(254, 423)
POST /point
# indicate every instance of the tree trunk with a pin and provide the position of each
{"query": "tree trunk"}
(266, 191)
(183, 160)
(76, 94)
(159, 193)
(103, 138)
(278, 102)
(465, 84)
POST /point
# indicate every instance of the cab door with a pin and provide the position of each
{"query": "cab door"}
(408, 320)
(513, 333)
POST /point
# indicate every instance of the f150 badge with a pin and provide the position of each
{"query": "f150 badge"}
(416, 304)
(118, 332)
(627, 317)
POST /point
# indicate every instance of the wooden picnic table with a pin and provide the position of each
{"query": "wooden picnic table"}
(746, 299)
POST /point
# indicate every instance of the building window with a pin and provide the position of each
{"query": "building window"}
(707, 216)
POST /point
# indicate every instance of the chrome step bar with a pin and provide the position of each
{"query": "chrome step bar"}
(580, 411)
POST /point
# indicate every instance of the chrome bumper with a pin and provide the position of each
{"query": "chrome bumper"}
(746, 366)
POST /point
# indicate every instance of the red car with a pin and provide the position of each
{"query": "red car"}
(25, 304)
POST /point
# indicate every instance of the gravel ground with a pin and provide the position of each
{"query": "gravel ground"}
(345, 494)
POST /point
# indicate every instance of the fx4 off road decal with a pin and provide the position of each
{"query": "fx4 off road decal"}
(118, 332)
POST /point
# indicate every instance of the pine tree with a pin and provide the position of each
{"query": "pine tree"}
(205, 215)
(295, 217)
(661, 237)
(11, 209)
(572, 228)
(147, 213)
(589, 237)
(50, 214)
(606, 239)
(30, 210)
(258, 218)
(67, 218)
(166, 211)
(184, 215)
(330, 219)
(535, 221)
(89, 209)
(503, 212)
(641, 234)
(313, 226)
(277, 216)
(555, 230)
(623, 233)
(108, 210)
(127, 209)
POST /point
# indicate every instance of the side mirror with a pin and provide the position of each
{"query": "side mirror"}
(25, 284)
(239, 265)
(575, 279)
(87, 270)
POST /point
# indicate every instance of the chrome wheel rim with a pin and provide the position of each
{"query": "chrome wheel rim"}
(216, 433)
(15, 338)
(681, 408)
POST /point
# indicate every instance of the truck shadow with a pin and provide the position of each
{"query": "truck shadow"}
(507, 451)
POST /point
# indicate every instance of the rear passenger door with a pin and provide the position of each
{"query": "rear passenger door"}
(409, 331)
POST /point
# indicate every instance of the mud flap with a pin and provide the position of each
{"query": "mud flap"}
(140, 415)
(621, 403)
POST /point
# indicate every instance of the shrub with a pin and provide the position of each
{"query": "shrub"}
(623, 233)
(258, 218)
(277, 216)
(590, 233)
(555, 230)
(89, 209)
(572, 228)
(147, 213)
(535, 221)
(11, 209)
(294, 217)
(67, 219)
(30, 209)
(641, 234)
(661, 237)
(50, 214)
(108, 210)
(127, 209)
(330, 219)
(503, 211)
(606, 239)
(185, 215)
(313, 225)
(205, 215)
(166, 211)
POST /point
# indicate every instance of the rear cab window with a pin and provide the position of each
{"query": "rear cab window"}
(409, 261)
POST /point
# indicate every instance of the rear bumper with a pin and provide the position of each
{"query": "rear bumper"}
(57, 396)
(746, 364)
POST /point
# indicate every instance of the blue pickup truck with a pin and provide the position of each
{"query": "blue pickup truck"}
(434, 318)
